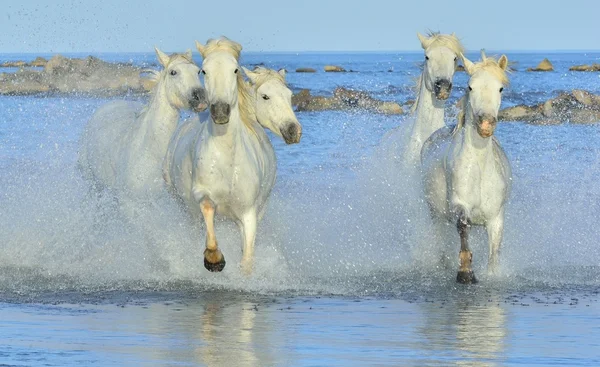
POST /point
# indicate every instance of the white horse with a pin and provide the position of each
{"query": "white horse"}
(227, 165)
(466, 174)
(434, 84)
(124, 143)
(273, 103)
(272, 108)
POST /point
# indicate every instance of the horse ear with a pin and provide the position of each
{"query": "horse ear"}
(282, 72)
(163, 58)
(200, 48)
(483, 57)
(468, 64)
(425, 42)
(503, 62)
(250, 74)
(188, 54)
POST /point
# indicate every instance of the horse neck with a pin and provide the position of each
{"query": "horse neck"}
(429, 112)
(160, 119)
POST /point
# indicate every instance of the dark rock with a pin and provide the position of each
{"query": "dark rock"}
(334, 69)
(593, 67)
(345, 99)
(544, 65)
(577, 107)
(64, 75)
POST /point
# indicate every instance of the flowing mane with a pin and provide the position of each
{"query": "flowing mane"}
(245, 103)
(490, 65)
(263, 75)
(450, 41)
(222, 44)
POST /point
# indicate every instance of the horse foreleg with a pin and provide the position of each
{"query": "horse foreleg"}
(465, 273)
(494, 230)
(248, 224)
(213, 258)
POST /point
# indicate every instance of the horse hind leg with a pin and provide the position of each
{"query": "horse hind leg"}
(248, 224)
(465, 272)
(494, 230)
(214, 260)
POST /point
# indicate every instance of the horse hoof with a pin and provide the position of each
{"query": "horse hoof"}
(216, 267)
(214, 261)
(466, 277)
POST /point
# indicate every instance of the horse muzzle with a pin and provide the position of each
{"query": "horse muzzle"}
(486, 124)
(198, 101)
(219, 112)
(442, 89)
(292, 133)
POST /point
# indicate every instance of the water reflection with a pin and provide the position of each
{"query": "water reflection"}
(228, 337)
(470, 332)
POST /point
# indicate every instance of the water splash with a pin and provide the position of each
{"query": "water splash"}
(346, 218)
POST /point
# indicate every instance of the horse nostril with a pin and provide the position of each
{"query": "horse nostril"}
(292, 130)
(198, 95)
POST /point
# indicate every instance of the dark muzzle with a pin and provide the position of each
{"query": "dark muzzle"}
(198, 100)
(220, 112)
(442, 89)
(292, 133)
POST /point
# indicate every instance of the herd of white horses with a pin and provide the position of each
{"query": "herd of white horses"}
(226, 164)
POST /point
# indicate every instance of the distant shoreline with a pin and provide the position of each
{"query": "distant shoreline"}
(254, 52)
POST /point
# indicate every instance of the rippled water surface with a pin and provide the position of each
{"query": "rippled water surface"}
(346, 269)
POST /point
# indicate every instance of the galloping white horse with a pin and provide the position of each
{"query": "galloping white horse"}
(435, 84)
(273, 103)
(272, 108)
(227, 165)
(466, 174)
(124, 143)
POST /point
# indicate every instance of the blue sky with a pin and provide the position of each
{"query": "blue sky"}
(299, 25)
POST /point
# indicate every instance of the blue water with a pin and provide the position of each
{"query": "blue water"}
(341, 275)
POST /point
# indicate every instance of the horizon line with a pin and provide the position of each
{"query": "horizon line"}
(308, 51)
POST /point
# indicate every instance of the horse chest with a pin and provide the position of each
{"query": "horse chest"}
(234, 181)
(478, 185)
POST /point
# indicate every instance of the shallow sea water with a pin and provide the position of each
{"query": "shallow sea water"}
(346, 269)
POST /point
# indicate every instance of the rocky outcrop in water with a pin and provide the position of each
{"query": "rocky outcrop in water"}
(306, 70)
(84, 76)
(344, 100)
(577, 107)
(38, 62)
(593, 67)
(544, 65)
(334, 69)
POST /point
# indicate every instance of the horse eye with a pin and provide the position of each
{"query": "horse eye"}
(173, 72)
(203, 72)
(426, 57)
(199, 71)
(501, 89)
(265, 97)
(235, 72)
(455, 58)
(470, 89)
